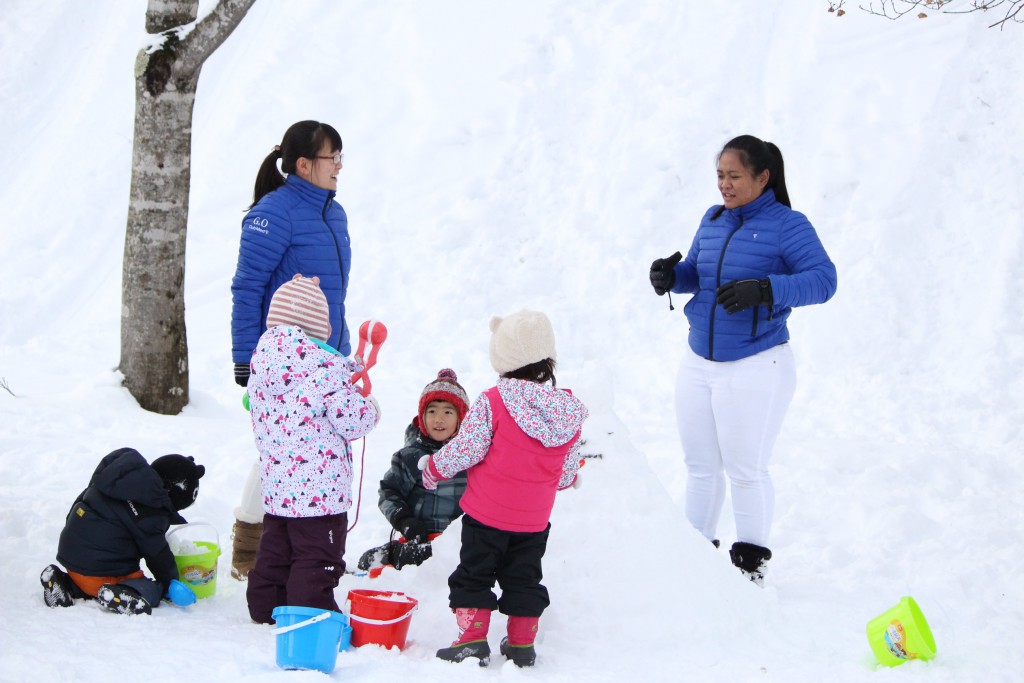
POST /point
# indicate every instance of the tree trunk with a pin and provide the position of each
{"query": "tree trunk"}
(154, 349)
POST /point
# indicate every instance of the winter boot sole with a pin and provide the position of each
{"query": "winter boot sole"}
(756, 578)
(122, 599)
(474, 648)
(522, 655)
(57, 587)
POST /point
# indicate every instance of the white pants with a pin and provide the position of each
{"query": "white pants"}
(250, 510)
(729, 415)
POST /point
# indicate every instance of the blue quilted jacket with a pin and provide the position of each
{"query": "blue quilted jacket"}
(761, 239)
(297, 228)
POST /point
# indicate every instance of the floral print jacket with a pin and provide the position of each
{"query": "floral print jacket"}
(304, 413)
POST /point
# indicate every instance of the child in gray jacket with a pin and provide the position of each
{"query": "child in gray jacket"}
(415, 513)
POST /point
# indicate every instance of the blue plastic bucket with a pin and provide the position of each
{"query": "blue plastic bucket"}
(308, 638)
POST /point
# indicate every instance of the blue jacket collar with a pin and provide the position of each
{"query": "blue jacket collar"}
(747, 210)
(309, 190)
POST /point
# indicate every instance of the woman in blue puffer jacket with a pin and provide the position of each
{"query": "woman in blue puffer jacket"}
(751, 262)
(294, 226)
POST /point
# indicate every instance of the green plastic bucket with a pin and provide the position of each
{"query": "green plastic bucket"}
(196, 549)
(901, 634)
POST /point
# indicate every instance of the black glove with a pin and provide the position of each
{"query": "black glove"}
(739, 295)
(663, 274)
(242, 374)
(413, 530)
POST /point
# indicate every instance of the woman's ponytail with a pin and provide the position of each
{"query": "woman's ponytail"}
(268, 178)
(777, 175)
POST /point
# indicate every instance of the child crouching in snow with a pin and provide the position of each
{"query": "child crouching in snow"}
(117, 521)
(519, 443)
(417, 514)
(304, 413)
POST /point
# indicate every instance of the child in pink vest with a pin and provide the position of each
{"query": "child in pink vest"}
(519, 444)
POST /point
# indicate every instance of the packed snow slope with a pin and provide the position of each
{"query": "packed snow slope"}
(501, 156)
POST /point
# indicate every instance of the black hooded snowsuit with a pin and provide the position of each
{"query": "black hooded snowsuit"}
(120, 519)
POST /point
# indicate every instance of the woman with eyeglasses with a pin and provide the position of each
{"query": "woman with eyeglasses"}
(294, 226)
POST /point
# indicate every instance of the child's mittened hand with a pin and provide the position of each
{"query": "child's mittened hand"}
(576, 483)
(376, 407)
(422, 464)
(414, 530)
(429, 479)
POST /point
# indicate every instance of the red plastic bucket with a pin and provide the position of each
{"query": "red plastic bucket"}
(380, 617)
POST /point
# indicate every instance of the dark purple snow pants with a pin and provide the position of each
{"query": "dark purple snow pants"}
(299, 563)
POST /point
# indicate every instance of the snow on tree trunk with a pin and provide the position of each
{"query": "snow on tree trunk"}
(154, 349)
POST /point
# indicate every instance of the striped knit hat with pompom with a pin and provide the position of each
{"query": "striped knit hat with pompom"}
(301, 303)
(445, 388)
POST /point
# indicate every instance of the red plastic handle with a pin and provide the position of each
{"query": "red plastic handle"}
(374, 333)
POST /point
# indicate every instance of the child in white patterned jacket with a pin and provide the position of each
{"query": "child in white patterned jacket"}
(304, 412)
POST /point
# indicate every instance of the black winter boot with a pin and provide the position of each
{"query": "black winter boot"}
(122, 599)
(376, 557)
(410, 553)
(58, 588)
(751, 560)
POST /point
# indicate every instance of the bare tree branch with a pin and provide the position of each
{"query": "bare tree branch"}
(895, 9)
(6, 387)
(211, 32)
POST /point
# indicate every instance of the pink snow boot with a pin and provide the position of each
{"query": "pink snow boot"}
(518, 646)
(472, 642)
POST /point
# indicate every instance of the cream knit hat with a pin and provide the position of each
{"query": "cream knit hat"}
(300, 302)
(521, 339)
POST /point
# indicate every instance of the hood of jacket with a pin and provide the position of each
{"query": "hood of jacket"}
(550, 415)
(294, 362)
(125, 475)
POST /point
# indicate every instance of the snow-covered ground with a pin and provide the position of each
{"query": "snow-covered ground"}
(506, 155)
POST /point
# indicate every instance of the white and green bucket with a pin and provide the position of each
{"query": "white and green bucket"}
(196, 549)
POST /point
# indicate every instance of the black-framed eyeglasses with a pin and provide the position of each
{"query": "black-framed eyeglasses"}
(337, 157)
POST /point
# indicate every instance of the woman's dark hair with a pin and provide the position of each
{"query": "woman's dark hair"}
(758, 156)
(539, 372)
(302, 139)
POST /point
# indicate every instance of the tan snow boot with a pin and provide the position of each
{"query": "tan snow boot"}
(245, 542)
